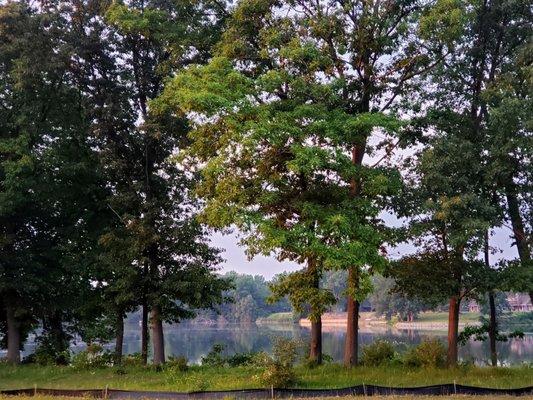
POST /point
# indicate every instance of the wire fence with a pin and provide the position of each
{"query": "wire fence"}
(273, 393)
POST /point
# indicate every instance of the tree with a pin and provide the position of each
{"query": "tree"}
(387, 302)
(449, 217)
(50, 180)
(287, 109)
(170, 247)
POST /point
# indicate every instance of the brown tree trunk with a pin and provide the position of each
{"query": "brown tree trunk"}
(144, 333)
(453, 330)
(13, 336)
(119, 337)
(158, 339)
(493, 327)
(352, 323)
(492, 330)
(522, 244)
(315, 351)
(352, 328)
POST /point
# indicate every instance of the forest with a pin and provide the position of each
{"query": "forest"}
(328, 133)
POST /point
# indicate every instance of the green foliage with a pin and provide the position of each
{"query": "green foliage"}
(480, 333)
(95, 356)
(279, 369)
(431, 353)
(177, 363)
(380, 352)
(216, 358)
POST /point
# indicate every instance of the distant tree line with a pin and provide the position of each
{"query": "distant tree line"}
(130, 128)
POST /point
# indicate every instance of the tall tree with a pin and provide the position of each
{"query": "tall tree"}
(310, 81)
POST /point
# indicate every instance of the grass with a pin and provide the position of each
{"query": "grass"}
(41, 397)
(212, 378)
(443, 317)
(280, 317)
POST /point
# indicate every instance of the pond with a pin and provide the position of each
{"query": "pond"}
(195, 341)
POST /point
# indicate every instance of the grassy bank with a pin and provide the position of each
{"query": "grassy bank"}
(205, 378)
(277, 318)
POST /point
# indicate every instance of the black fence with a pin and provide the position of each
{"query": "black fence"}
(360, 390)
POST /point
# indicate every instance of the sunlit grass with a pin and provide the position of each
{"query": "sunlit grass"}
(204, 378)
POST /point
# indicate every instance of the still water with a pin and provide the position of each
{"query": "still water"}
(195, 341)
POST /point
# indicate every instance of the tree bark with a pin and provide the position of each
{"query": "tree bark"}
(315, 351)
(119, 335)
(522, 244)
(352, 328)
(158, 339)
(453, 330)
(144, 333)
(13, 336)
(493, 327)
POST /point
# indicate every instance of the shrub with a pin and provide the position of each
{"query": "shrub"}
(93, 357)
(378, 353)
(47, 355)
(215, 358)
(428, 354)
(279, 371)
(133, 360)
(178, 363)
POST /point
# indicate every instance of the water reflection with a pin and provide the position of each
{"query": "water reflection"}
(195, 341)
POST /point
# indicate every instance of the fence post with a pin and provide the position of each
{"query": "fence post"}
(105, 392)
(271, 391)
(454, 387)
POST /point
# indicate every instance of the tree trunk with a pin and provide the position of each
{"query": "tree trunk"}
(493, 327)
(522, 245)
(144, 333)
(13, 336)
(352, 323)
(453, 330)
(158, 339)
(119, 335)
(315, 351)
(316, 341)
(352, 328)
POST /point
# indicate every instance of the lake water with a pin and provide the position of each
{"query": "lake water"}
(195, 341)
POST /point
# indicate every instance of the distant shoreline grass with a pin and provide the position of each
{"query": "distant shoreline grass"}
(218, 378)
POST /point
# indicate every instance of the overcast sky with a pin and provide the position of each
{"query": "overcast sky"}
(236, 259)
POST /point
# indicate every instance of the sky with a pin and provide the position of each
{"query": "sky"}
(236, 259)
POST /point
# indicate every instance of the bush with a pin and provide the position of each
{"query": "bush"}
(133, 360)
(279, 371)
(93, 357)
(428, 354)
(178, 363)
(47, 355)
(378, 353)
(215, 358)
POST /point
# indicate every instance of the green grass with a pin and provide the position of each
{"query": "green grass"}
(281, 317)
(204, 378)
(443, 317)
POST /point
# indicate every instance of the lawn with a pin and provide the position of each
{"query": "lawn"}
(212, 378)
(465, 317)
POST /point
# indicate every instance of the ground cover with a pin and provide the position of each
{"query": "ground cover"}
(39, 397)
(219, 378)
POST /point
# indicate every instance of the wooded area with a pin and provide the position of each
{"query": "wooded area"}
(130, 130)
